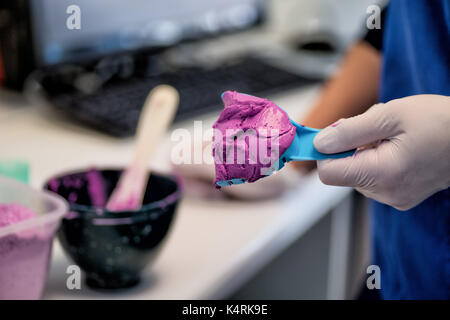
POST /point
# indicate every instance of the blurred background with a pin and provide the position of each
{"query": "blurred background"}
(74, 76)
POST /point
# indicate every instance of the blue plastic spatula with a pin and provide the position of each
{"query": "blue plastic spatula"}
(301, 149)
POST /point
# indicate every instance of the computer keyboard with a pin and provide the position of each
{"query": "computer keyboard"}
(115, 108)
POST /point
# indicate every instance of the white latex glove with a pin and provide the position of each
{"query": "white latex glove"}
(406, 157)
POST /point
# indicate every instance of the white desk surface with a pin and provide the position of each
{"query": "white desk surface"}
(214, 245)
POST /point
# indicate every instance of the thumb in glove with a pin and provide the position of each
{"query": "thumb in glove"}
(403, 150)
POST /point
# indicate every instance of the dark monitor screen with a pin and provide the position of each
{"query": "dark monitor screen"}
(70, 30)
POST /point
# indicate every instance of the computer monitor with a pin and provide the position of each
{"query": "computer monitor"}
(71, 30)
(37, 34)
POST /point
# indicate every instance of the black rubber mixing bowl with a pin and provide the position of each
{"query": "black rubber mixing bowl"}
(113, 247)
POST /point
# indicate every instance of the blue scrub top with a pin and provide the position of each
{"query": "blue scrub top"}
(412, 248)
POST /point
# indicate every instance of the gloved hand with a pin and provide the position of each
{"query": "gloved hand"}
(405, 154)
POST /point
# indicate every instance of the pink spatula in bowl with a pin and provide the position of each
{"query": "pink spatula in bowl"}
(157, 115)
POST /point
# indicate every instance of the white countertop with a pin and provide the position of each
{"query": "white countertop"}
(214, 245)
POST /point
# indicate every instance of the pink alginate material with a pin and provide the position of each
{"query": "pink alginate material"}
(269, 122)
(24, 256)
(11, 213)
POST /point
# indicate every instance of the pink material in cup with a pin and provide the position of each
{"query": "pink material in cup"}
(28, 222)
(23, 256)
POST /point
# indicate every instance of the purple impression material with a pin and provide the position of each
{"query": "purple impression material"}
(254, 137)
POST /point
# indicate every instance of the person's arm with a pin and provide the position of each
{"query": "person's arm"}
(354, 88)
(351, 91)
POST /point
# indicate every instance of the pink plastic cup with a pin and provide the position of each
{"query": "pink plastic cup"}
(25, 247)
